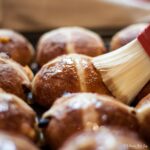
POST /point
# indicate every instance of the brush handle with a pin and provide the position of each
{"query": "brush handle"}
(144, 39)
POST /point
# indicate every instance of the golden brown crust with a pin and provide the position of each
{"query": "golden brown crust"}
(68, 40)
(54, 80)
(107, 139)
(66, 74)
(29, 72)
(56, 131)
(50, 46)
(87, 43)
(16, 116)
(93, 80)
(16, 46)
(126, 35)
(13, 78)
(85, 111)
(143, 114)
(14, 142)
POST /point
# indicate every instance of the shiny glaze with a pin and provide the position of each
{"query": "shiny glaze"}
(16, 46)
(68, 40)
(13, 78)
(93, 80)
(106, 139)
(66, 74)
(16, 116)
(85, 111)
(55, 79)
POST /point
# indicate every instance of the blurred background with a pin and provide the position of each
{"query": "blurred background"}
(104, 16)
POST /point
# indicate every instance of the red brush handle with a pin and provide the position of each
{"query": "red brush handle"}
(144, 39)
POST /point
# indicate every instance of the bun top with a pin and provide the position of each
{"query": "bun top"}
(68, 40)
(96, 109)
(106, 138)
(16, 46)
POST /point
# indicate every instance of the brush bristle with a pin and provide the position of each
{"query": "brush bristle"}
(124, 71)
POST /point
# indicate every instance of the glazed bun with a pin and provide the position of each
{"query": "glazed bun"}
(68, 40)
(126, 35)
(14, 78)
(16, 46)
(16, 116)
(14, 142)
(66, 74)
(85, 111)
(106, 139)
(143, 114)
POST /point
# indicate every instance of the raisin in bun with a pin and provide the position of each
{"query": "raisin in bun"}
(14, 78)
(66, 74)
(106, 139)
(14, 142)
(16, 46)
(68, 40)
(16, 116)
(85, 111)
(126, 35)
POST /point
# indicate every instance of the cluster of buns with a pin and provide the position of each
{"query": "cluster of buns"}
(18, 121)
(66, 74)
(81, 113)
